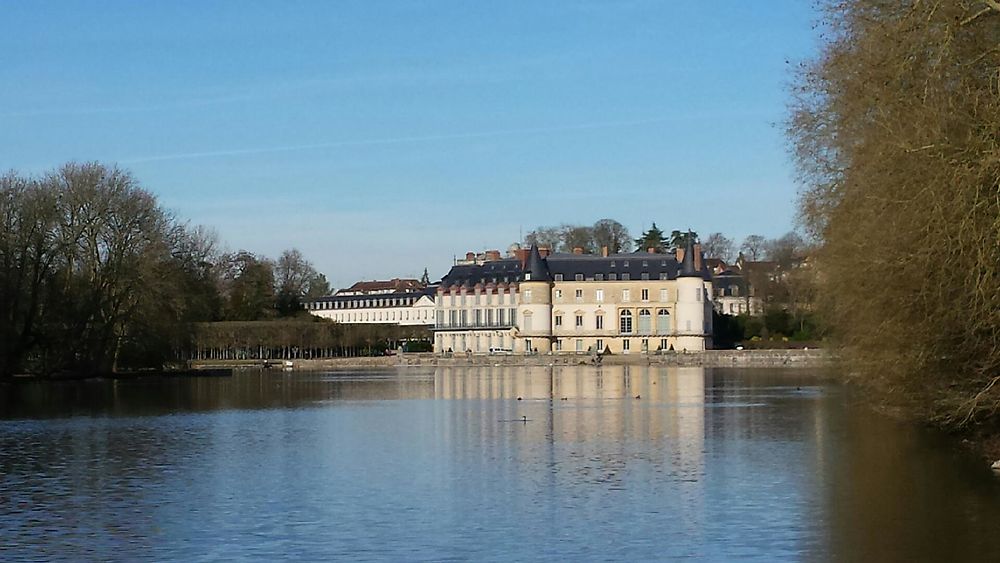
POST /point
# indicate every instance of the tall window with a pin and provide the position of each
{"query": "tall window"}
(599, 295)
(600, 345)
(558, 320)
(625, 322)
(558, 293)
(579, 321)
(599, 322)
(662, 321)
(579, 295)
(527, 322)
(527, 296)
(626, 295)
(645, 294)
(663, 296)
(645, 321)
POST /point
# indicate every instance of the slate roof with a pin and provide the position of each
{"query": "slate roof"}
(382, 299)
(566, 267)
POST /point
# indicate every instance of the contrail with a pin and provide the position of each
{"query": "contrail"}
(397, 140)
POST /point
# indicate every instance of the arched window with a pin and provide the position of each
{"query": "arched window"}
(645, 321)
(625, 322)
(662, 321)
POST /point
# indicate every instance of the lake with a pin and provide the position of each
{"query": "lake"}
(503, 463)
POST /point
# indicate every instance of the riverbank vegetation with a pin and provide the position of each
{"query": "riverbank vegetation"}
(896, 131)
(95, 276)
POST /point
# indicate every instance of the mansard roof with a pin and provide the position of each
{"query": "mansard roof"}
(507, 270)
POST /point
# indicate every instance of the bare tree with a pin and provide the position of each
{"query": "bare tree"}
(753, 247)
(613, 235)
(717, 245)
(894, 129)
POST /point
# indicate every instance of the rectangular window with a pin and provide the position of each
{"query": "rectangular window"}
(600, 322)
(626, 276)
(663, 296)
(452, 318)
(599, 295)
(579, 345)
(664, 276)
(645, 345)
(558, 344)
(663, 344)
(626, 295)
(558, 293)
(645, 294)
(645, 276)
(579, 295)
(625, 345)
(599, 277)
(479, 317)
(558, 277)
(527, 296)
(600, 345)
(579, 277)
(464, 317)
(558, 320)
(612, 276)
(579, 321)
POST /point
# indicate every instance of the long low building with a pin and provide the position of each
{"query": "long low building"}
(400, 302)
(576, 303)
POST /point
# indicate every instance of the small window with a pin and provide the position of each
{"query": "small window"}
(579, 295)
(626, 295)
(599, 295)
(558, 293)
(626, 276)
(579, 277)
(645, 264)
(558, 277)
(579, 321)
(599, 277)
(645, 276)
(625, 264)
(600, 345)
(558, 320)
(527, 276)
(599, 322)
(645, 294)
(612, 276)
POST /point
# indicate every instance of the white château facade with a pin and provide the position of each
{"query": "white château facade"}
(399, 302)
(633, 303)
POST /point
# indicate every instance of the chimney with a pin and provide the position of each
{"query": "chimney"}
(522, 255)
(680, 254)
(543, 251)
(577, 250)
(492, 255)
(604, 251)
(697, 256)
(651, 250)
(470, 256)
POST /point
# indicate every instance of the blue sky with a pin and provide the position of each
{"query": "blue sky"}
(383, 137)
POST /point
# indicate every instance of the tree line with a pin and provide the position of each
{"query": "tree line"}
(96, 276)
(611, 234)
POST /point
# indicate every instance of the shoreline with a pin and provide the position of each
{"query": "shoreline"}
(707, 358)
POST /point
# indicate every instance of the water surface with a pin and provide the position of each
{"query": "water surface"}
(571, 463)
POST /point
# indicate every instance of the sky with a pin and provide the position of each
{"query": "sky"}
(380, 138)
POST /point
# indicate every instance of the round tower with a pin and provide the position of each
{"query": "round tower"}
(690, 303)
(534, 310)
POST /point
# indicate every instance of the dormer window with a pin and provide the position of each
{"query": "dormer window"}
(527, 276)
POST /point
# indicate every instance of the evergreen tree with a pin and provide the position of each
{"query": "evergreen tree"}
(653, 238)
